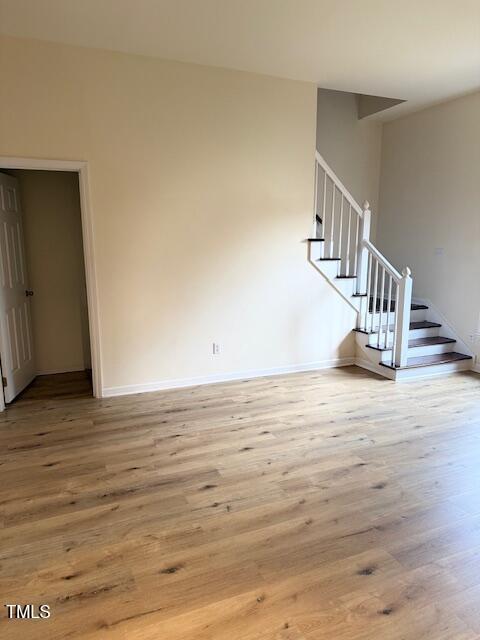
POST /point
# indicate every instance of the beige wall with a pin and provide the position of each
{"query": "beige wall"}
(430, 206)
(201, 193)
(352, 147)
(54, 254)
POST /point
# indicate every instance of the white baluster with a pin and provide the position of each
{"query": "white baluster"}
(315, 202)
(374, 297)
(324, 202)
(340, 235)
(402, 313)
(364, 234)
(355, 257)
(347, 265)
(389, 304)
(394, 332)
(369, 279)
(332, 223)
(382, 299)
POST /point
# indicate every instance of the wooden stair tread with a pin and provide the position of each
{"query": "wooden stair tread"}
(315, 239)
(328, 259)
(414, 306)
(424, 324)
(345, 277)
(418, 342)
(421, 324)
(426, 361)
(425, 342)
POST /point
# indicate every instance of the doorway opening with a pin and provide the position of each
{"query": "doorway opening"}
(48, 323)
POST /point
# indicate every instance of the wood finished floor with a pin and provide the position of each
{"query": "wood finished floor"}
(332, 505)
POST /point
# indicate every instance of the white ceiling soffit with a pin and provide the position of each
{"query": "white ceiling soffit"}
(422, 51)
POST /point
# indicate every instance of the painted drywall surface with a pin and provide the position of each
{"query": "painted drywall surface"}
(369, 105)
(352, 147)
(429, 203)
(54, 255)
(201, 185)
(423, 51)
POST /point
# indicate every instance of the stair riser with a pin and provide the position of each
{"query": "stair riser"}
(346, 286)
(423, 333)
(373, 339)
(415, 316)
(414, 352)
(413, 334)
(434, 370)
(329, 268)
(316, 250)
(431, 349)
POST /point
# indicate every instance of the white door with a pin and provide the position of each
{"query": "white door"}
(16, 346)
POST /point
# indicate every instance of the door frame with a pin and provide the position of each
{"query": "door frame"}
(81, 168)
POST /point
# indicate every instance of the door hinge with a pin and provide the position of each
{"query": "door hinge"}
(4, 381)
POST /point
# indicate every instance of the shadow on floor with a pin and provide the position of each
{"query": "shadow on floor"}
(75, 385)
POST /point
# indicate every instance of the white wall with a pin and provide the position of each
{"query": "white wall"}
(352, 147)
(201, 193)
(430, 206)
(54, 256)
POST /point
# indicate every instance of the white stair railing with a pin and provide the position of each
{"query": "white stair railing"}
(344, 228)
(337, 218)
(386, 311)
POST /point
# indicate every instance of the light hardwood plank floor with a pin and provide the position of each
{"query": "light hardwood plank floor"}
(329, 505)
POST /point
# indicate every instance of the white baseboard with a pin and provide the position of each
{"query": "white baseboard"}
(476, 368)
(51, 372)
(163, 385)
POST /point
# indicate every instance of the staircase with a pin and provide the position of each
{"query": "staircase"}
(396, 336)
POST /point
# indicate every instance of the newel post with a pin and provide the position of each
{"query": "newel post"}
(362, 253)
(402, 309)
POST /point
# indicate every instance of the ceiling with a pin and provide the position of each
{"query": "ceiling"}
(422, 51)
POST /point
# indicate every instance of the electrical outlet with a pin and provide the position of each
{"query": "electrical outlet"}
(215, 348)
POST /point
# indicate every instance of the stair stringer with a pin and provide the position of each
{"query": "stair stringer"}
(364, 361)
(354, 303)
